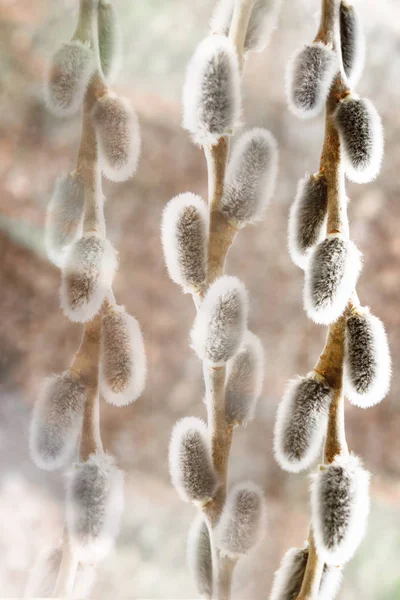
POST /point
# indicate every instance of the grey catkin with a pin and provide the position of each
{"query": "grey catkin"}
(352, 42)
(339, 507)
(361, 135)
(242, 523)
(308, 79)
(245, 374)
(95, 501)
(64, 216)
(301, 422)
(307, 218)
(56, 420)
(109, 38)
(200, 557)
(251, 176)
(70, 72)
(190, 464)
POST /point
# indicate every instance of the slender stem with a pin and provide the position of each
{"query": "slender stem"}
(67, 571)
(226, 566)
(313, 573)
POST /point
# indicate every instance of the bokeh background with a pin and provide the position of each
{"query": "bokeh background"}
(159, 37)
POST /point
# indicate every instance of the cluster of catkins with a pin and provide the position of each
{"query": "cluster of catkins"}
(332, 263)
(220, 338)
(77, 244)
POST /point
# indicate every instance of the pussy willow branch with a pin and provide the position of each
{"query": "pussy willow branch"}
(330, 363)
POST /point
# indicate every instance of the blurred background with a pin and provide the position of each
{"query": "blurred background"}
(36, 339)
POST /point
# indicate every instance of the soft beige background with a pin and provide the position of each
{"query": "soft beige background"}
(36, 339)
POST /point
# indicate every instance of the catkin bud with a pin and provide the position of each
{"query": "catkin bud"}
(309, 77)
(339, 507)
(289, 577)
(263, 20)
(251, 176)
(245, 375)
(122, 358)
(87, 275)
(330, 278)
(300, 422)
(211, 94)
(184, 233)
(367, 366)
(109, 38)
(70, 72)
(190, 464)
(307, 218)
(57, 420)
(352, 42)
(361, 135)
(64, 217)
(95, 503)
(118, 136)
(200, 557)
(221, 321)
(242, 523)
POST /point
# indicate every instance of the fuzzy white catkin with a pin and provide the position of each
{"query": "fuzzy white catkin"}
(122, 358)
(199, 556)
(64, 216)
(221, 321)
(361, 134)
(242, 523)
(352, 43)
(309, 76)
(307, 218)
(184, 236)
(190, 464)
(109, 39)
(251, 177)
(118, 136)
(289, 577)
(70, 72)
(56, 420)
(330, 278)
(262, 22)
(301, 422)
(43, 577)
(87, 275)
(211, 94)
(95, 503)
(339, 508)
(367, 365)
(244, 380)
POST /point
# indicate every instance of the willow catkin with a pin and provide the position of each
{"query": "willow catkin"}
(244, 380)
(109, 38)
(199, 556)
(87, 275)
(190, 465)
(70, 71)
(64, 216)
(361, 135)
(352, 42)
(288, 578)
(122, 357)
(118, 136)
(301, 422)
(221, 321)
(250, 178)
(95, 502)
(330, 278)
(307, 218)
(184, 235)
(367, 365)
(339, 507)
(309, 76)
(262, 22)
(211, 94)
(242, 523)
(56, 420)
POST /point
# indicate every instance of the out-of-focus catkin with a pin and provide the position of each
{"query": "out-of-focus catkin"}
(109, 38)
(352, 42)
(200, 557)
